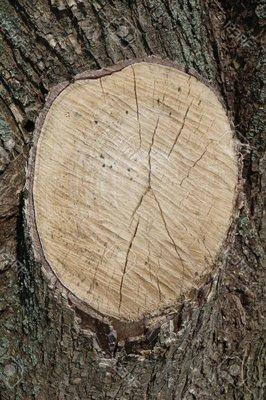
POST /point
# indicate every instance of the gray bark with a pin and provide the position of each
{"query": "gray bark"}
(212, 346)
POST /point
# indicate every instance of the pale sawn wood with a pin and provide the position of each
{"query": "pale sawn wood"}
(134, 187)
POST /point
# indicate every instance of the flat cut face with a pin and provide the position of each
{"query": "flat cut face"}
(134, 187)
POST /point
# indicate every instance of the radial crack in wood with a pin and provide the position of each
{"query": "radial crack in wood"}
(133, 181)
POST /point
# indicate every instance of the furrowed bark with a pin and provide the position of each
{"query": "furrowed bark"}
(211, 346)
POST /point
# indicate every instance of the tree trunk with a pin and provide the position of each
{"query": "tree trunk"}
(211, 346)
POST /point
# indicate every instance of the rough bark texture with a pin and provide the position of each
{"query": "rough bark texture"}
(212, 347)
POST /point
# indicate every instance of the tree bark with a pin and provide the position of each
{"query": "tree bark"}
(212, 345)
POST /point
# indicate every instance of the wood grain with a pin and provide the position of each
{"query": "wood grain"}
(134, 187)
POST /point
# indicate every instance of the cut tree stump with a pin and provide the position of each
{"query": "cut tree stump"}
(132, 182)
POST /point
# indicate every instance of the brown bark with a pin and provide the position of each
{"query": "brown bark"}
(212, 346)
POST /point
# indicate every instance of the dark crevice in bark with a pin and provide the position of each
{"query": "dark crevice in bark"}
(26, 274)
(14, 98)
(134, 12)
(82, 37)
(98, 19)
(40, 37)
(25, 59)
